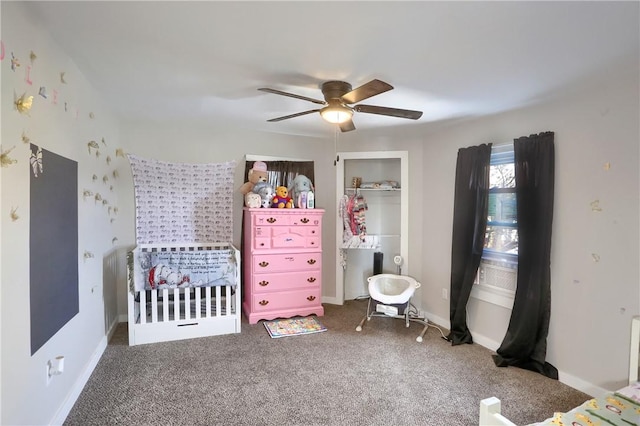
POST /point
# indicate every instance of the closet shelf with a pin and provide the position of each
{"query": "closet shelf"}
(366, 242)
(372, 189)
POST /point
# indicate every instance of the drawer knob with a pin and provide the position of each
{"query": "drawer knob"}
(304, 220)
(264, 264)
(271, 220)
(311, 261)
(311, 279)
(264, 302)
(261, 244)
(264, 283)
(311, 298)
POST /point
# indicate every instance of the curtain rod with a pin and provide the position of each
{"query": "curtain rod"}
(253, 157)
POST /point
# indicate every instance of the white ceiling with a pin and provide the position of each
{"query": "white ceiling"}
(205, 60)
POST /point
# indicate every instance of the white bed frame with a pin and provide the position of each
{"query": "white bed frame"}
(185, 313)
(490, 407)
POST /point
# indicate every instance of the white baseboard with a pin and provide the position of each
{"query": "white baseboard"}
(581, 385)
(492, 345)
(123, 318)
(331, 300)
(439, 321)
(71, 399)
(482, 340)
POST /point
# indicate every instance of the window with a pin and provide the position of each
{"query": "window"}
(282, 172)
(496, 278)
(501, 239)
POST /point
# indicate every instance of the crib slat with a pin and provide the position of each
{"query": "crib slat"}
(228, 299)
(198, 304)
(176, 304)
(142, 296)
(207, 293)
(165, 304)
(187, 304)
(154, 306)
(218, 303)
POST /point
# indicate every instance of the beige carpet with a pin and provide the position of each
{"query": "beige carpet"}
(379, 376)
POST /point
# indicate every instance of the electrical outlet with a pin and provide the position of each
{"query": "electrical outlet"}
(445, 294)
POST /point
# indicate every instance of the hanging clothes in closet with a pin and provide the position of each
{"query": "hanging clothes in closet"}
(352, 210)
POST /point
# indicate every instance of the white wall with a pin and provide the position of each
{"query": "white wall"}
(592, 302)
(190, 143)
(26, 397)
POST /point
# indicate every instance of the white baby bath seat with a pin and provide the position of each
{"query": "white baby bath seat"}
(390, 296)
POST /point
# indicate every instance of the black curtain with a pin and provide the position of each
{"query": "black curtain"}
(469, 228)
(525, 344)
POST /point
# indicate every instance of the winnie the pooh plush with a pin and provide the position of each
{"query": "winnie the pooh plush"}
(282, 199)
(258, 173)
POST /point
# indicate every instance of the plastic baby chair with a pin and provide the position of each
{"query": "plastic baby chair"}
(390, 296)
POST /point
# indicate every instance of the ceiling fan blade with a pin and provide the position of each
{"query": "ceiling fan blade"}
(293, 115)
(347, 126)
(393, 112)
(291, 95)
(367, 90)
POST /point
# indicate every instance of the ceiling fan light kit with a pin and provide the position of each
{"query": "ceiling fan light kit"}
(336, 114)
(338, 95)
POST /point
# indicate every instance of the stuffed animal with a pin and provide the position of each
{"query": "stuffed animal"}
(266, 193)
(258, 173)
(282, 199)
(253, 200)
(300, 184)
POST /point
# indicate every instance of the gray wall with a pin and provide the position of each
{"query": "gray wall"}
(592, 301)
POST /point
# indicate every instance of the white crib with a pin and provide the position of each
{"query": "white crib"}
(167, 314)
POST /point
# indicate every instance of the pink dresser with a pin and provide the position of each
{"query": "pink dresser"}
(282, 263)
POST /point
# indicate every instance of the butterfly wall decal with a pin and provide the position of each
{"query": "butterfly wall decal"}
(5, 160)
(25, 138)
(24, 103)
(13, 214)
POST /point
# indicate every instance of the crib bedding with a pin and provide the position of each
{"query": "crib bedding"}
(152, 268)
(620, 408)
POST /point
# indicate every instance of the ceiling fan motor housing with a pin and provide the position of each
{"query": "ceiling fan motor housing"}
(335, 89)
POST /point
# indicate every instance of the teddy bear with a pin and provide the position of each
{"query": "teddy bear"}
(300, 185)
(266, 193)
(282, 199)
(258, 173)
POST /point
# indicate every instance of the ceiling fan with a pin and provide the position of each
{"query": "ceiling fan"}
(338, 96)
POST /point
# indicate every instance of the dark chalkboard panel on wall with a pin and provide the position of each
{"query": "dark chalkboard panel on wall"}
(53, 244)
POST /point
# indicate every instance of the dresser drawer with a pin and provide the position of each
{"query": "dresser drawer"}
(265, 283)
(305, 220)
(270, 219)
(279, 237)
(291, 240)
(264, 263)
(285, 300)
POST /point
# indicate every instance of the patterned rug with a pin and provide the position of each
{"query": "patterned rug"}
(294, 326)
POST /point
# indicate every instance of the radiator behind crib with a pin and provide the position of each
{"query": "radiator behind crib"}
(110, 289)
